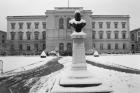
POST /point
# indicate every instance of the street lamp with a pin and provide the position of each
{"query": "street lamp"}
(1, 66)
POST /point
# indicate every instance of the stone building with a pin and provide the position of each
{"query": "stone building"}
(135, 40)
(3, 36)
(33, 34)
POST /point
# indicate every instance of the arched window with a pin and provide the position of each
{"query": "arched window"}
(61, 23)
(44, 35)
(28, 34)
(20, 34)
(12, 35)
(68, 24)
(36, 35)
(61, 47)
(100, 34)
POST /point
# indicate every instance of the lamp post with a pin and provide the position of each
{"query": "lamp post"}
(1, 66)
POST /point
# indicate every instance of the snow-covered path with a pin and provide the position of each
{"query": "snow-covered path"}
(119, 82)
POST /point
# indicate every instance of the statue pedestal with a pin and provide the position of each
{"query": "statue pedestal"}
(78, 79)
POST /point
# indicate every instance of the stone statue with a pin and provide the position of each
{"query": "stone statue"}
(77, 23)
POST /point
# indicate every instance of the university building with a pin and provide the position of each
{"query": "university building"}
(51, 31)
(135, 40)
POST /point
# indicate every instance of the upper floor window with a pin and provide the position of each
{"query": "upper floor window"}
(36, 35)
(20, 34)
(13, 25)
(123, 34)
(138, 38)
(101, 46)
(28, 34)
(123, 24)
(100, 24)
(61, 23)
(100, 34)
(93, 34)
(132, 37)
(20, 25)
(116, 46)
(28, 25)
(124, 46)
(28, 47)
(108, 24)
(115, 24)
(12, 35)
(108, 34)
(116, 33)
(20, 47)
(68, 24)
(36, 25)
(44, 35)
(3, 36)
(93, 24)
(44, 25)
(44, 46)
(109, 46)
(138, 33)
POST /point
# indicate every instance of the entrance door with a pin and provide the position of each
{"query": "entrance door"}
(69, 49)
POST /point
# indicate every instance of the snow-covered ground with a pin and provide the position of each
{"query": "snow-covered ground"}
(22, 62)
(132, 61)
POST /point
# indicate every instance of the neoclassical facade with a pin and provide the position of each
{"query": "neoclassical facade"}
(33, 34)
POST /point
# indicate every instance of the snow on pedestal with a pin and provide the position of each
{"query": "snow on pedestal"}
(43, 55)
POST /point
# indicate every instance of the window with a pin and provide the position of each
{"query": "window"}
(138, 33)
(100, 24)
(12, 35)
(3, 36)
(20, 34)
(116, 34)
(3, 41)
(44, 25)
(44, 46)
(109, 46)
(28, 25)
(108, 34)
(61, 23)
(20, 25)
(124, 46)
(100, 34)
(36, 47)
(44, 35)
(61, 47)
(123, 24)
(36, 25)
(138, 38)
(115, 24)
(12, 47)
(28, 34)
(13, 25)
(132, 37)
(68, 24)
(20, 47)
(69, 47)
(124, 35)
(116, 46)
(93, 24)
(108, 24)
(36, 35)
(101, 46)
(93, 34)
(28, 47)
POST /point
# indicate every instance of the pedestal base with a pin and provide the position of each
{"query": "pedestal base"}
(70, 89)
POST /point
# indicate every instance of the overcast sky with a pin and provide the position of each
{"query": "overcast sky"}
(99, 7)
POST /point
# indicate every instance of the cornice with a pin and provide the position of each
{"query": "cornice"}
(110, 16)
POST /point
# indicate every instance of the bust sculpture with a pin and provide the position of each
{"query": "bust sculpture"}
(77, 23)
